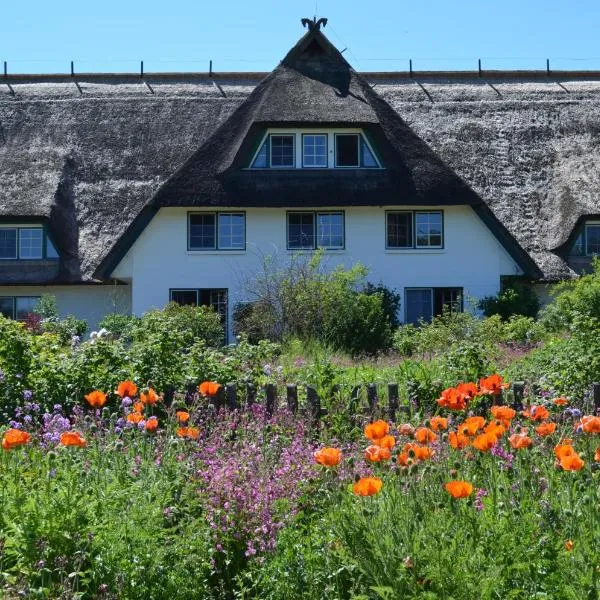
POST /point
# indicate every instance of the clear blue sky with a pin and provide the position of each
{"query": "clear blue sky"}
(182, 35)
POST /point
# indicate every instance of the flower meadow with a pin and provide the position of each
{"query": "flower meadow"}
(128, 494)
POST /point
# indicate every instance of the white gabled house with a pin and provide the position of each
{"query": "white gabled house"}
(178, 194)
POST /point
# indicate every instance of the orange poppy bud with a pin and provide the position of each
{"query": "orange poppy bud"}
(377, 454)
(151, 424)
(96, 399)
(519, 441)
(545, 429)
(182, 416)
(387, 441)
(135, 417)
(406, 429)
(459, 489)
(328, 457)
(72, 438)
(15, 437)
(438, 423)
(423, 435)
(367, 486)
(149, 397)
(209, 388)
(569, 545)
(377, 430)
(571, 463)
(126, 388)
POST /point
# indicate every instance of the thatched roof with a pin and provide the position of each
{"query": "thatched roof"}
(93, 153)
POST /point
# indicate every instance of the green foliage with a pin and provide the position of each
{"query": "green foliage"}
(46, 307)
(515, 299)
(119, 325)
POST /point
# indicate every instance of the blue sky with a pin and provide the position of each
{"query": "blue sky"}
(183, 35)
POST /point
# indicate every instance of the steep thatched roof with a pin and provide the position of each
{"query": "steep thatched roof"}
(90, 154)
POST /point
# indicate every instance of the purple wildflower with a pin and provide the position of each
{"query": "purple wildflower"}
(27, 394)
(479, 496)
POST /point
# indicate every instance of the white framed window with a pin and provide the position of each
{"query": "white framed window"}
(217, 231)
(31, 242)
(341, 148)
(422, 304)
(23, 242)
(311, 230)
(414, 229)
(18, 307)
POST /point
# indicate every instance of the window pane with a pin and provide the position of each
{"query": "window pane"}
(6, 306)
(202, 231)
(346, 150)
(282, 150)
(185, 297)
(30, 243)
(24, 306)
(418, 306)
(261, 160)
(301, 230)
(429, 229)
(330, 230)
(399, 230)
(448, 299)
(8, 243)
(592, 233)
(314, 150)
(232, 231)
(367, 158)
(50, 249)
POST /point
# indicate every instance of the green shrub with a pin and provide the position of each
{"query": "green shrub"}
(119, 325)
(515, 299)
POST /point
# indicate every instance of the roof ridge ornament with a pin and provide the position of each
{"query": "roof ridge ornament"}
(313, 24)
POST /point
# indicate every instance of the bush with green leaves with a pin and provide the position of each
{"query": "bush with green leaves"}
(515, 299)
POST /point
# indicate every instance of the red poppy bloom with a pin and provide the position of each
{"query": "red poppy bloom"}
(15, 437)
(149, 397)
(126, 388)
(96, 399)
(151, 424)
(209, 388)
(72, 438)
(377, 430)
(328, 457)
(367, 486)
(492, 385)
(459, 489)
(452, 399)
(468, 390)
(537, 413)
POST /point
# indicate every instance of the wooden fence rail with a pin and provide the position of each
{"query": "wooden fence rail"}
(228, 396)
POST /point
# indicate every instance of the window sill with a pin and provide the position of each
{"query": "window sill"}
(415, 251)
(325, 250)
(214, 252)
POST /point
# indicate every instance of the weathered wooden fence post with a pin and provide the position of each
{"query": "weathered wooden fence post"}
(250, 394)
(231, 396)
(518, 393)
(596, 397)
(392, 400)
(314, 405)
(292, 397)
(372, 397)
(271, 403)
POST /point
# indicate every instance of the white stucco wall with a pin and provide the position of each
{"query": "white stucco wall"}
(472, 258)
(89, 302)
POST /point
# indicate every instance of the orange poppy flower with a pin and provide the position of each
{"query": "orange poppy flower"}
(597, 455)
(138, 407)
(468, 390)
(569, 545)
(406, 429)
(413, 452)
(536, 413)
(209, 388)
(519, 441)
(590, 424)
(571, 463)
(424, 435)
(438, 423)
(183, 416)
(562, 450)
(452, 399)
(472, 425)
(545, 429)
(96, 399)
(126, 388)
(135, 417)
(459, 489)
(495, 428)
(151, 424)
(15, 437)
(192, 433)
(492, 385)
(328, 457)
(387, 441)
(503, 413)
(72, 438)
(458, 440)
(376, 430)
(485, 442)
(367, 486)
(560, 401)
(377, 454)
(149, 397)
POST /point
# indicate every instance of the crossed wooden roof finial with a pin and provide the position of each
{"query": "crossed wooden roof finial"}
(313, 23)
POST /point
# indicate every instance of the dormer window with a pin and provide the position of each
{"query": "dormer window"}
(587, 242)
(315, 149)
(25, 242)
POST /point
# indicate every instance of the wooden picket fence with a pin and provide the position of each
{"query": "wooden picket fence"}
(269, 395)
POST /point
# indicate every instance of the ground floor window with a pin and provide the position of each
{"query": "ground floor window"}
(422, 304)
(17, 307)
(216, 298)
